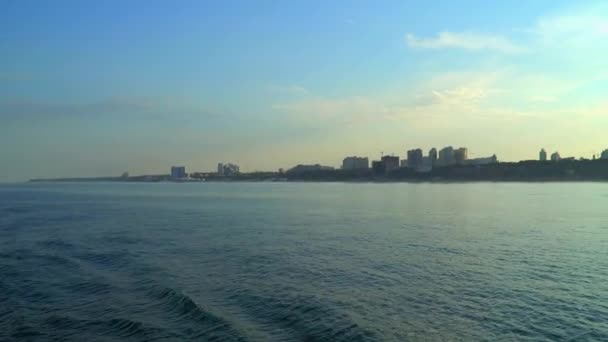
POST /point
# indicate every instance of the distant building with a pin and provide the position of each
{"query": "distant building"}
(420, 163)
(542, 155)
(555, 156)
(227, 169)
(355, 163)
(385, 165)
(433, 156)
(604, 155)
(482, 161)
(460, 155)
(426, 165)
(178, 172)
(124, 175)
(403, 163)
(446, 156)
(390, 163)
(378, 167)
(414, 158)
(231, 169)
(307, 168)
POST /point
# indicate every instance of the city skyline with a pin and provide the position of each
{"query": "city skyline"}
(90, 89)
(416, 159)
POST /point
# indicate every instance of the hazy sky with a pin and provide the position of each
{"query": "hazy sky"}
(101, 87)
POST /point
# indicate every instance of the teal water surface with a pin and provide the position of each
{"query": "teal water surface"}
(304, 261)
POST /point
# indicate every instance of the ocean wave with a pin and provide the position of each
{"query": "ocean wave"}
(26, 332)
(93, 266)
(120, 240)
(307, 317)
(18, 209)
(207, 325)
(125, 327)
(35, 259)
(56, 244)
(117, 259)
(90, 288)
(63, 326)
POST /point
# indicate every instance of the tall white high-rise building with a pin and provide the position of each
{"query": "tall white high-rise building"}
(433, 156)
(461, 155)
(446, 156)
(542, 156)
(355, 163)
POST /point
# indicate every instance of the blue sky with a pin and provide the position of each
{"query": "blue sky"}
(101, 87)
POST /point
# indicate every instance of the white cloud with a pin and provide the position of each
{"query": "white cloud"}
(460, 95)
(575, 29)
(540, 97)
(582, 25)
(159, 107)
(471, 98)
(340, 110)
(467, 41)
(291, 89)
(458, 87)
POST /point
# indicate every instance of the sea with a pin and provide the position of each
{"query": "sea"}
(268, 261)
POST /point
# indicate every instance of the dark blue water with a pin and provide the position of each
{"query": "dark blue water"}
(314, 262)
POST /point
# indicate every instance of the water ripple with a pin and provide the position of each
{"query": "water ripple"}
(295, 262)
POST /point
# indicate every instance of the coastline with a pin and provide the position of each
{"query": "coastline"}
(525, 171)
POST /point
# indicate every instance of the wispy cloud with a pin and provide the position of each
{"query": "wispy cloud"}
(317, 110)
(481, 98)
(584, 24)
(128, 107)
(456, 96)
(291, 89)
(583, 27)
(465, 40)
